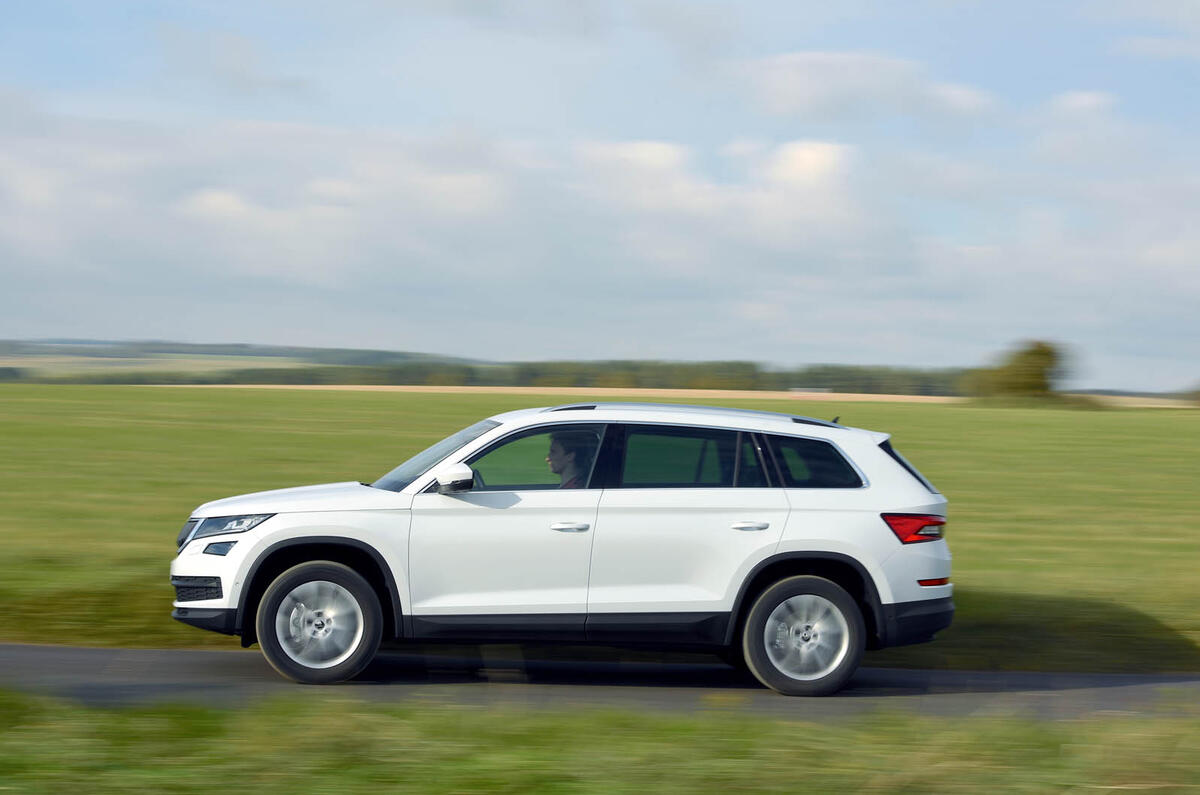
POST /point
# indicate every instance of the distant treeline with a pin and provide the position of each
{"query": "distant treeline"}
(137, 350)
(620, 374)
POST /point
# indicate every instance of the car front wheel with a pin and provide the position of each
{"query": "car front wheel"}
(804, 636)
(319, 622)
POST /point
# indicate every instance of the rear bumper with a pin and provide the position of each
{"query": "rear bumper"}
(213, 618)
(915, 622)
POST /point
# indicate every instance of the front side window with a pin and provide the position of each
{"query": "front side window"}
(559, 457)
(812, 464)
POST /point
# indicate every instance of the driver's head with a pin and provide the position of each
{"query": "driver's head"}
(572, 449)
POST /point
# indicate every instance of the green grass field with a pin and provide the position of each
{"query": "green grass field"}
(1074, 532)
(341, 744)
(330, 743)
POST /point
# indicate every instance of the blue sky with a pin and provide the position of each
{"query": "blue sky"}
(919, 184)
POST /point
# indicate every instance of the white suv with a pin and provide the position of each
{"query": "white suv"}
(787, 542)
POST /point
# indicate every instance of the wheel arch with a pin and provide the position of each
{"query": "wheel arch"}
(841, 569)
(282, 555)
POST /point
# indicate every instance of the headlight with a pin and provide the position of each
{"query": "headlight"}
(220, 525)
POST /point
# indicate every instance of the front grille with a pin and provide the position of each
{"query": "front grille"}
(194, 589)
(186, 531)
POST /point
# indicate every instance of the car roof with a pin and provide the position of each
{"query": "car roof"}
(680, 413)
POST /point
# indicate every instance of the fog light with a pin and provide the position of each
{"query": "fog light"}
(219, 548)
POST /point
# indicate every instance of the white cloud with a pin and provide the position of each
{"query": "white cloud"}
(1082, 102)
(807, 164)
(214, 203)
(1079, 130)
(649, 176)
(955, 98)
(797, 195)
(855, 84)
(642, 155)
(816, 248)
(28, 184)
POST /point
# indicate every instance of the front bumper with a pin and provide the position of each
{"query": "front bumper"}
(208, 582)
(213, 618)
(905, 623)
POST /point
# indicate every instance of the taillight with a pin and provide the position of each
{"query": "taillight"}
(913, 528)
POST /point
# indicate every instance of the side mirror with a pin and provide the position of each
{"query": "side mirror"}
(455, 477)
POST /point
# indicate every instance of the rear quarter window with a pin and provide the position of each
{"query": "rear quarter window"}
(812, 464)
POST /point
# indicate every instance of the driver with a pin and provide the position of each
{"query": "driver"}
(570, 457)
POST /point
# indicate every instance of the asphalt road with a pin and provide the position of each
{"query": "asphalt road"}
(540, 678)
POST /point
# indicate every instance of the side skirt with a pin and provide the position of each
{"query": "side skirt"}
(667, 629)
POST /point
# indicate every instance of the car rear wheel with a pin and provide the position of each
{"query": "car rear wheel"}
(804, 636)
(319, 622)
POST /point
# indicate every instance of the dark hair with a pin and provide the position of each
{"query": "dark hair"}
(582, 443)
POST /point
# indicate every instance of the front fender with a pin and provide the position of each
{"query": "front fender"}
(382, 535)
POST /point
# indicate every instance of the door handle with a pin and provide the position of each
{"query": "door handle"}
(750, 525)
(570, 527)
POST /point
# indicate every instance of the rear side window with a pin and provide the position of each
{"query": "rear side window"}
(661, 457)
(812, 464)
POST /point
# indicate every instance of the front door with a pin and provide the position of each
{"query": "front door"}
(510, 557)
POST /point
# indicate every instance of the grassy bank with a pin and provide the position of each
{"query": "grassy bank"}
(1073, 532)
(338, 744)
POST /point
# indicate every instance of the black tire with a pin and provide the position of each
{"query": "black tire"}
(319, 622)
(817, 637)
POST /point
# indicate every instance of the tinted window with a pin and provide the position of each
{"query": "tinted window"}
(812, 464)
(749, 471)
(664, 457)
(561, 457)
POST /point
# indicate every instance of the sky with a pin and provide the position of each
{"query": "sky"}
(918, 184)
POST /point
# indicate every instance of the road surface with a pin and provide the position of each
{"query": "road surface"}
(532, 677)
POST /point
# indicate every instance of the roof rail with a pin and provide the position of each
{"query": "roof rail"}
(812, 421)
(684, 407)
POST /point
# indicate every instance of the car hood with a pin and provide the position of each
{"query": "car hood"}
(348, 496)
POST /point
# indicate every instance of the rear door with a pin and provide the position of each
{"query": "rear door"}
(685, 513)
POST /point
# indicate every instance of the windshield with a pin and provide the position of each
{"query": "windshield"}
(420, 463)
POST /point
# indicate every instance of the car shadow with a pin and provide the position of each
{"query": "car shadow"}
(550, 665)
(1000, 642)
(1013, 631)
